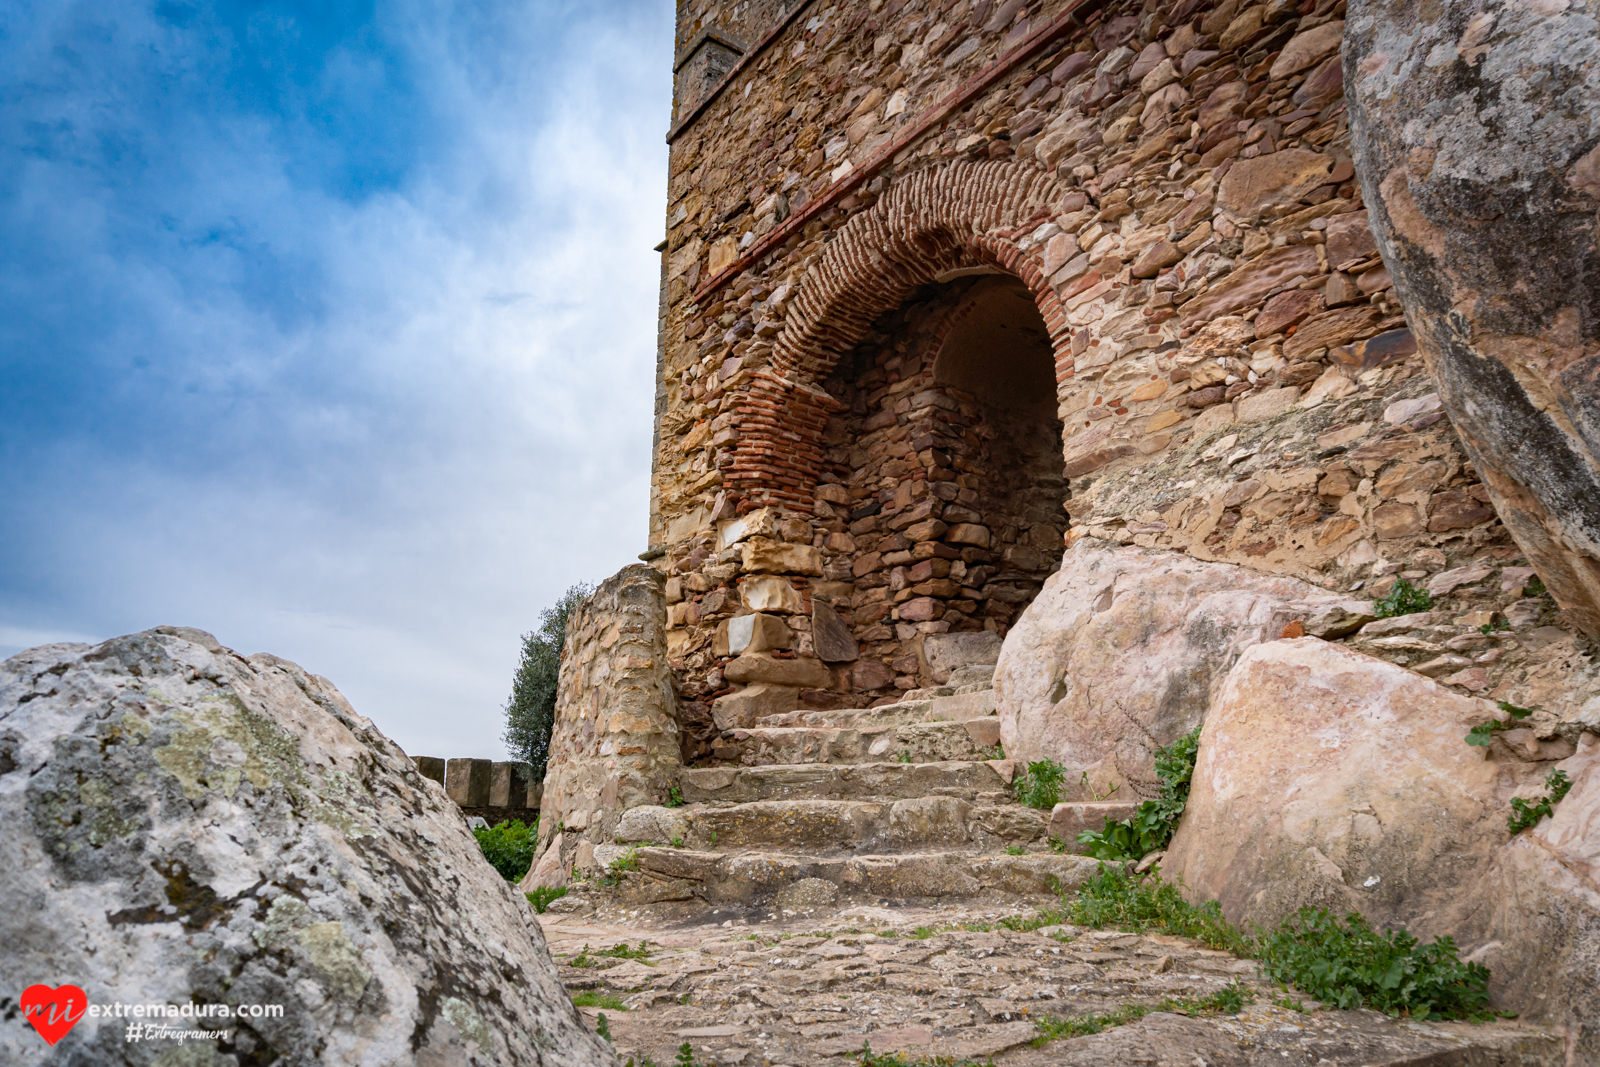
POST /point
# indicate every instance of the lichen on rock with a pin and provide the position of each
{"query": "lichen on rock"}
(186, 825)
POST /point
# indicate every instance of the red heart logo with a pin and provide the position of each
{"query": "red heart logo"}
(54, 1011)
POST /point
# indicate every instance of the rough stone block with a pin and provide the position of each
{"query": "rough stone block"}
(757, 633)
(771, 593)
(1267, 404)
(431, 767)
(985, 731)
(830, 636)
(802, 672)
(948, 652)
(763, 522)
(467, 781)
(761, 555)
(742, 709)
(1069, 820)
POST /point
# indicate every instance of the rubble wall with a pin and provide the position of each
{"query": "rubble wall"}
(1171, 184)
(614, 744)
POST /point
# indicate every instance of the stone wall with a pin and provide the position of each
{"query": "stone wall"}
(615, 741)
(1154, 201)
(492, 790)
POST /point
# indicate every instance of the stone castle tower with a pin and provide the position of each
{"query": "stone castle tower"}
(946, 286)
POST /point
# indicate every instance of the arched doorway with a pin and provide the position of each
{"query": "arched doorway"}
(941, 487)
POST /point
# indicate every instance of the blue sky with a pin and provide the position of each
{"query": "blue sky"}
(329, 328)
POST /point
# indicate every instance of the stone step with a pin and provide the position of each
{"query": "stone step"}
(763, 876)
(856, 781)
(953, 708)
(1070, 819)
(927, 742)
(835, 825)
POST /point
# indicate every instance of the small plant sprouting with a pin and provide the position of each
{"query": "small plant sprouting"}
(540, 898)
(1016, 850)
(628, 861)
(685, 1056)
(1403, 599)
(1058, 846)
(602, 1027)
(1040, 787)
(1153, 824)
(1494, 626)
(904, 757)
(1481, 734)
(1098, 796)
(711, 838)
(1534, 588)
(674, 798)
(677, 841)
(1524, 814)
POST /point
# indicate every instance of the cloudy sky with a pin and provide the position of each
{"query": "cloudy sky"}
(328, 327)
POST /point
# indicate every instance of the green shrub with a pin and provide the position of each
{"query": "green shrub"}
(1040, 787)
(1524, 815)
(508, 846)
(674, 798)
(1403, 599)
(1346, 963)
(531, 711)
(540, 898)
(1351, 965)
(1153, 824)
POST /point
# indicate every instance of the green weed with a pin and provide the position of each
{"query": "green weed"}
(677, 841)
(540, 898)
(1016, 850)
(1040, 787)
(1345, 963)
(1524, 815)
(1494, 626)
(867, 1058)
(1111, 897)
(1228, 1001)
(602, 1027)
(904, 757)
(1152, 825)
(589, 998)
(1351, 965)
(1403, 599)
(509, 846)
(674, 798)
(1534, 588)
(1481, 734)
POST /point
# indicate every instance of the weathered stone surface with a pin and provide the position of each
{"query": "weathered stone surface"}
(1252, 186)
(950, 652)
(1306, 49)
(615, 740)
(1332, 778)
(186, 825)
(744, 708)
(802, 671)
(770, 593)
(830, 635)
(1490, 207)
(762, 555)
(1123, 651)
(755, 632)
(1249, 285)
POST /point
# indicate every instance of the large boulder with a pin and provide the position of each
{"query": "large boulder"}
(1123, 649)
(183, 825)
(1327, 777)
(1473, 128)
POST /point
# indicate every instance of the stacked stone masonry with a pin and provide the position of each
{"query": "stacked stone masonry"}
(1139, 247)
(492, 790)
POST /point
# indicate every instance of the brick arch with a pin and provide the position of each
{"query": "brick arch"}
(927, 223)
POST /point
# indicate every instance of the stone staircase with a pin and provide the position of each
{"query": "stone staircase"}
(907, 802)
